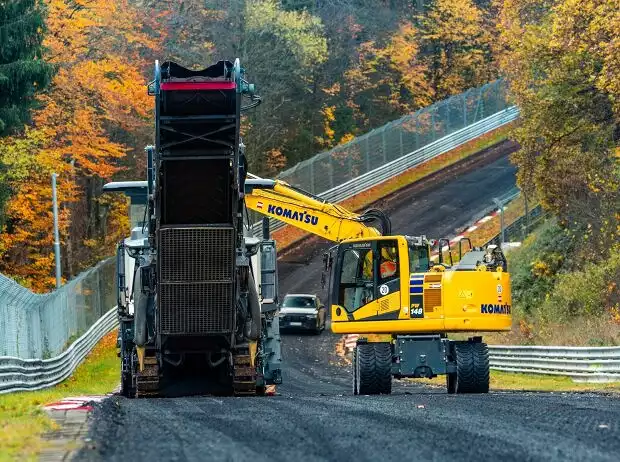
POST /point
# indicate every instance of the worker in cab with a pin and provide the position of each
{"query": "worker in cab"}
(388, 267)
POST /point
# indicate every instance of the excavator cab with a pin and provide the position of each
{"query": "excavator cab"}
(388, 284)
(367, 281)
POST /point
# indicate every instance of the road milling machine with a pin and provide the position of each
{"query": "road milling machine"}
(388, 290)
(197, 291)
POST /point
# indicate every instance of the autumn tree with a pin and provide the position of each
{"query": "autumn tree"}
(282, 52)
(390, 79)
(561, 58)
(23, 73)
(456, 39)
(92, 126)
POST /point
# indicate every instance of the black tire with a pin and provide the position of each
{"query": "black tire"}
(472, 364)
(355, 370)
(374, 369)
(451, 383)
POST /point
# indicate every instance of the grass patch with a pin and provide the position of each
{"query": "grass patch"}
(501, 381)
(515, 381)
(23, 422)
(288, 235)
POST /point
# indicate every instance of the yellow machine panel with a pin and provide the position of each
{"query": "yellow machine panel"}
(441, 300)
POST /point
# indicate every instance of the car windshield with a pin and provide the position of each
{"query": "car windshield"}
(298, 302)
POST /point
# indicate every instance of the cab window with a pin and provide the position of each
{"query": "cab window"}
(388, 261)
(419, 260)
(356, 278)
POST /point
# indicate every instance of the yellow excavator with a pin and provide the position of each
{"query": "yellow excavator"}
(388, 290)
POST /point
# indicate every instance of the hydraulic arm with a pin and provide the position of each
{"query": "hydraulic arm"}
(293, 206)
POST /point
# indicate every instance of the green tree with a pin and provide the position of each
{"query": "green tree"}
(23, 72)
(561, 58)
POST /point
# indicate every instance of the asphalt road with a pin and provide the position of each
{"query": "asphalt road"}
(315, 417)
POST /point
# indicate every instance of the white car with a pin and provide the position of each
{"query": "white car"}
(302, 311)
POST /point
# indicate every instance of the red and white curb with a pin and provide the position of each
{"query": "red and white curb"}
(466, 231)
(76, 403)
(350, 340)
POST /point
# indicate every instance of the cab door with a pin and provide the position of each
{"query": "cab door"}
(367, 282)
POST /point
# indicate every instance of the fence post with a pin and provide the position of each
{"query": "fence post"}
(367, 146)
(384, 147)
(400, 140)
(527, 216)
(464, 99)
(312, 186)
(56, 236)
(417, 133)
(500, 204)
(331, 172)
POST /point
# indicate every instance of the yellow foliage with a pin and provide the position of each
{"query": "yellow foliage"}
(97, 98)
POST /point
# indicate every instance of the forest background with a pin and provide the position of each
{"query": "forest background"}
(73, 101)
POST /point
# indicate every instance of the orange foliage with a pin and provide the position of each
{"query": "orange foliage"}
(90, 118)
(276, 161)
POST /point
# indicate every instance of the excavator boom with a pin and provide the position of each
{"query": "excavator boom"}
(293, 206)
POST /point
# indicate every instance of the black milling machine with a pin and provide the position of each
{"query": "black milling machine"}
(197, 292)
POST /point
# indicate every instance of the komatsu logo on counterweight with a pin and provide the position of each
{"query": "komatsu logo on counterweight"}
(303, 217)
(494, 309)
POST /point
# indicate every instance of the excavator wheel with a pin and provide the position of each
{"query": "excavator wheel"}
(355, 370)
(373, 369)
(472, 364)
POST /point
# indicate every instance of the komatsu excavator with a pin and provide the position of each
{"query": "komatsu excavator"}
(387, 289)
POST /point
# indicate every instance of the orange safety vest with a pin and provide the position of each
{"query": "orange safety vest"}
(388, 268)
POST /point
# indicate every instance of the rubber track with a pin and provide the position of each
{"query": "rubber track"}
(472, 363)
(375, 366)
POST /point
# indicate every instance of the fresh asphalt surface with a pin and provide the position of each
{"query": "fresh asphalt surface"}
(315, 417)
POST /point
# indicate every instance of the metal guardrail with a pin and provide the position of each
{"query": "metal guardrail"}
(33, 374)
(412, 159)
(582, 364)
(42, 325)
